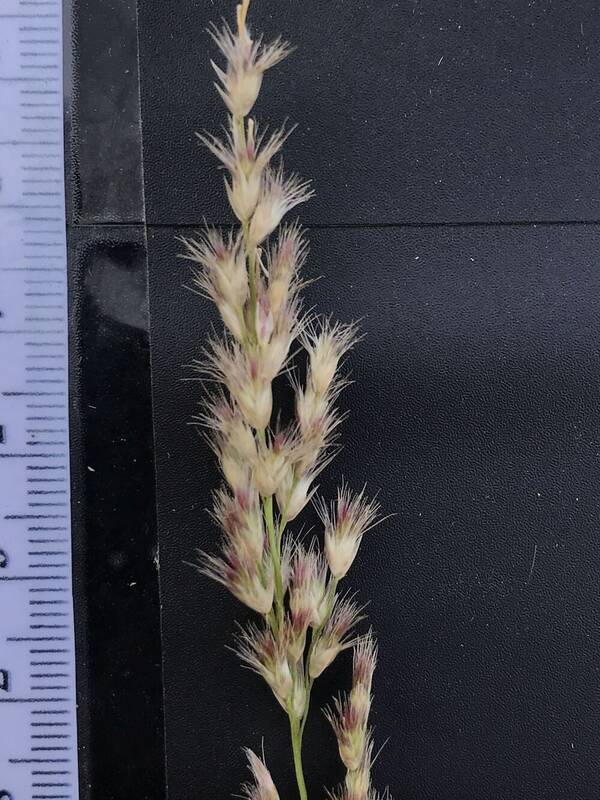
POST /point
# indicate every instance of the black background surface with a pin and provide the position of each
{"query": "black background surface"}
(410, 111)
(475, 410)
(438, 135)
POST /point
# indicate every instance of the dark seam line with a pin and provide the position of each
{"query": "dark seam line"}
(353, 226)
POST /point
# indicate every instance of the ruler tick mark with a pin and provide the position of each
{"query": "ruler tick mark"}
(49, 724)
(39, 760)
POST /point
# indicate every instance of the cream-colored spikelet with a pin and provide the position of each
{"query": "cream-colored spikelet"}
(244, 566)
(344, 616)
(246, 159)
(221, 275)
(232, 441)
(294, 493)
(350, 732)
(326, 345)
(308, 586)
(317, 414)
(228, 429)
(278, 195)
(363, 666)
(266, 654)
(284, 260)
(240, 518)
(358, 779)
(246, 62)
(287, 324)
(262, 787)
(296, 628)
(240, 371)
(253, 275)
(346, 521)
(271, 462)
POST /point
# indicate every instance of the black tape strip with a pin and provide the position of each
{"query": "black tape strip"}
(120, 713)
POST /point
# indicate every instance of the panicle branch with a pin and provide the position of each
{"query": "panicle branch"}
(350, 721)
(269, 471)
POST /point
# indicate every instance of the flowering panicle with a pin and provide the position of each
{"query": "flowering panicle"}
(270, 470)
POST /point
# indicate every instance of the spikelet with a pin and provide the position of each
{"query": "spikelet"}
(247, 60)
(228, 363)
(346, 521)
(221, 275)
(247, 575)
(271, 462)
(326, 344)
(231, 439)
(309, 597)
(278, 195)
(245, 155)
(358, 779)
(284, 260)
(266, 655)
(334, 637)
(262, 787)
(364, 662)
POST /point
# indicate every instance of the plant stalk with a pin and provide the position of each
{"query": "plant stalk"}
(297, 750)
(316, 633)
(275, 557)
(249, 251)
(251, 261)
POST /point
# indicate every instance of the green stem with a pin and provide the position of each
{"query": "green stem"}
(313, 640)
(282, 523)
(249, 251)
(296, 732)
(275, 558)
(251, 261)
(309, 686)
(307, 679)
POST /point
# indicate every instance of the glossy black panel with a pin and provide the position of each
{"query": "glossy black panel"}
(103, 110)
(409, 110)
(475, 411)
(114, 529)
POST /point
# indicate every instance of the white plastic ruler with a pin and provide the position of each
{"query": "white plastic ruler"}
(38, 736)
